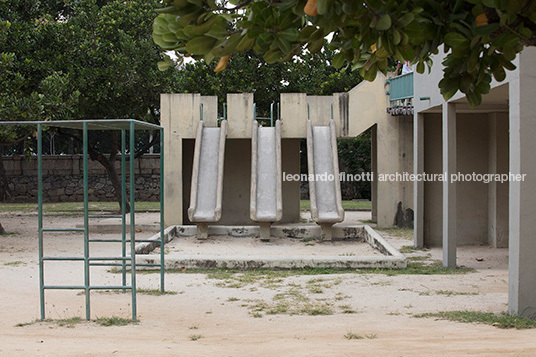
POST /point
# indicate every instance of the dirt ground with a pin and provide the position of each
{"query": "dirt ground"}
(225, 315)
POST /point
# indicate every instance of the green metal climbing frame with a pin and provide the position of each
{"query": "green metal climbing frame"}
(124, 125)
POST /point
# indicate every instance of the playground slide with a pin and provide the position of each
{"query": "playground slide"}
(207, 176)
(265, 200)
(324, 184)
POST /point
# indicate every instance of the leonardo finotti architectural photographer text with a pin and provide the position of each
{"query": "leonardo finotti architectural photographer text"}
(408, 177)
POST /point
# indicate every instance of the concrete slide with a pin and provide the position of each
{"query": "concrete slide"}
(207, 177)
(324, 184)
(266, 204)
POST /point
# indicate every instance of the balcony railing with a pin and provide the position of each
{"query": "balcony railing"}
(401, 94)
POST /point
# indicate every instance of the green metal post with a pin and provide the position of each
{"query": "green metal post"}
(86, 222)
(132, 221)
(162, 242)
(40, 217)
(123, 208)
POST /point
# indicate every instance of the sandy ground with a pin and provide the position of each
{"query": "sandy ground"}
(231, 317)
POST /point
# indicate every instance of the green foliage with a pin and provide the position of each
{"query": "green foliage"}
(248, 72)
(482, 36)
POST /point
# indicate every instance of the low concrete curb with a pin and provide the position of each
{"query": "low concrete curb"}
(392, 259)
(147, 247)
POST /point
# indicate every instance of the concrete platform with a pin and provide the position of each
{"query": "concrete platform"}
(359, 247)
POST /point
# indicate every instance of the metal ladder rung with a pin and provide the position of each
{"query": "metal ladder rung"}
(63, 229)
(64, 258)
(105, 216)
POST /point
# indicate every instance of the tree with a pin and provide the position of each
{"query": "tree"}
(482, 37)
(248, 72)
(92, 59)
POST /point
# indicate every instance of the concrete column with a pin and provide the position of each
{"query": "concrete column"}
(449, 189)
(522, 224)
(418, 186)
(264, 231)
(374, 167)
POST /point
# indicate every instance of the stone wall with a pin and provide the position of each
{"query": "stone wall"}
(63, 179)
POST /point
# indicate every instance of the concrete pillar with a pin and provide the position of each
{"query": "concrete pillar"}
(522, 224)
(449, 189)
(264, 231)
(326, 230)
(374, 168)
(202, 231)
(418, 185)
(498, 192)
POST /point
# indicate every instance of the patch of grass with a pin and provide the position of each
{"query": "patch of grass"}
(316, 289)
(193, 327)
(59, 208)
(394, 313)
(233, 299)
(155, 292)
(453, 293)
(503, 320)
(15, 263)
(347, 309)
(368, 221)
(315, 309)
(251, 276)
(114, 321)
(257, 315)
(347, 254)
(371, 336)
(404, 233)
(419, 258)
(353, 336)
(195, 337)
(410, 249)
(308, 239)
(67, 322)
(305, 205)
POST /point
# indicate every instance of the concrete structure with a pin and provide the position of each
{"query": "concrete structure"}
(392, 150)
(266, 201)
(180, 117)
(324, 183)
(497, 137)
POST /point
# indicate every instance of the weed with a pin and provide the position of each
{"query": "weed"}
(503, 320)
(371, 336)
(114, 321)
(193, 327)
(233, 299)
(195, 337)
(452, 293)
(353, 336)
(347, 309)
(15, 263)
(257, 315)
(410, 249)
(156, 292)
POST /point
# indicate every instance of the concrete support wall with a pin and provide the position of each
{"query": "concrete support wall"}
(522, 224)
(498, 192)
(392, 148)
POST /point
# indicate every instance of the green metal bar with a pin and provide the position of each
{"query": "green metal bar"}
(64, 258)
(254, 111)
(132, 220)
(40, 217)
(278, 112)
(201, 111)
(62, 229)
(119, 264)
(86, 221)
(110, 287)
(64, 287)
(162, 240)
(120, 240)
(104, 216)
(123, 207)
(109, 258)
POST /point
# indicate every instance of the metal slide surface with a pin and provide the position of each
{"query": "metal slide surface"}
(323, 164)
(207, 174)
(266, 200)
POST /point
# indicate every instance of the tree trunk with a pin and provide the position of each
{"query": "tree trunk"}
(5, 193)
(109, 166)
